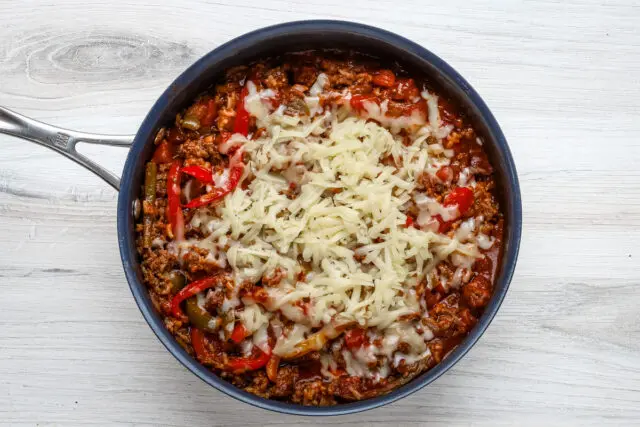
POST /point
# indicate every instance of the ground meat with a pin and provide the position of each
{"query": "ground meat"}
(448, 310)
(433, 297)
(161, 303)
(214, 299)
(297, 91)
(484, 203)
(160, 261)
(305, 75)
(156, 265)
(483, 265)
(276, 79)
(195, 261)
(342, 78)
(194, 148)
(436, 347)
(442, 277)
(259, 384)
(362, 83)
(481, 165)
(456, 137)
(227, 109)
(356, 388)
(349, 388)
(274, 278)
(182, 336)
(465, 321)
(177, 327)
(235, 75)
(343, 74)
(447, 318)
(442, 317)
(431, 185)
(314, 393)
(287, 377)
(477, 293)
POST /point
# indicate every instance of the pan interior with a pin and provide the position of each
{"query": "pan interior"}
(295, 37)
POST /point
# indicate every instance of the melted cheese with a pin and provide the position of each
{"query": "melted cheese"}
(394, 124)
(346, 225)
(318, 86)
(434, 116)
(253, 317)
(287, 342)
(432, 207)
(256, 103)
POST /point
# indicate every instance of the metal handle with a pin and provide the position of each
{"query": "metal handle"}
(62, 140)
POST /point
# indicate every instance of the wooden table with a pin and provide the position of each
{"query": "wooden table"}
(563, 79)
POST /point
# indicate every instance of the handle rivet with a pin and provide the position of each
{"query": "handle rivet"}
(136, 208)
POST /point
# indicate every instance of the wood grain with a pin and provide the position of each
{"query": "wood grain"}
(562, 77)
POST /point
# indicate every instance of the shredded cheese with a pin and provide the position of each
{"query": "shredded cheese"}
(341, 241)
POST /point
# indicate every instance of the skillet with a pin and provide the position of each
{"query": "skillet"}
(269, 41)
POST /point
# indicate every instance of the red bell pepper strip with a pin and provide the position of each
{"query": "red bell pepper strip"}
(238, 365)
(174, 211)
(241, 124)
(236, 168)
(190, 290)
(216, 194)
(203, 175)
(239, 333)
(197, 341)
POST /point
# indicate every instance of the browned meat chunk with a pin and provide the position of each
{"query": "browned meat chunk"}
(477, 293)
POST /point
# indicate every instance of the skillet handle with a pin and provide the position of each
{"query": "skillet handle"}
(62, 140)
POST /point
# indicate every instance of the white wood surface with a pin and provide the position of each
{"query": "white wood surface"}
(561, 76)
